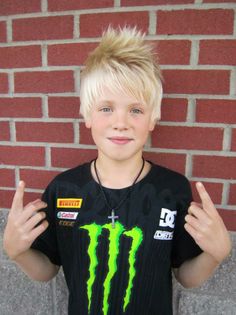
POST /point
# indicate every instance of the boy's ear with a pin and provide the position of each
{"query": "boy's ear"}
(88, 123)
(152, 125)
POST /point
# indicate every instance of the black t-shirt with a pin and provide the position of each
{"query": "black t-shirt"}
(124, 270)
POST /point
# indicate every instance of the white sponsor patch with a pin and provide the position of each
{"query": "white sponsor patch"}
(167, 218)
(163, 235)
(67, 215)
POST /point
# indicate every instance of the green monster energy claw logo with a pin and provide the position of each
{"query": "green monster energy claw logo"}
(94, 231)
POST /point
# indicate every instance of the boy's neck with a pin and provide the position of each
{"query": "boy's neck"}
(119, 174)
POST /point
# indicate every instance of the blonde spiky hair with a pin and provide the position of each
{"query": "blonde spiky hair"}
(123, 61)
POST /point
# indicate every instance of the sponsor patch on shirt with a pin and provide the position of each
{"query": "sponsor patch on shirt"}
(66, 223)
(72, 203)
(67, 215)
(167, 218)
(163, 235)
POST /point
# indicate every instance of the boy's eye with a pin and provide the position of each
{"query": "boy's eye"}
(136, 111)
(105, 109)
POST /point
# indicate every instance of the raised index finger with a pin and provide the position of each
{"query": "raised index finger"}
(17, 203)
(207, 203)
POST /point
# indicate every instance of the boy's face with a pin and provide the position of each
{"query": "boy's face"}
(120, 125)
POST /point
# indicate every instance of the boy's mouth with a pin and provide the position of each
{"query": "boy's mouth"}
(120, 140)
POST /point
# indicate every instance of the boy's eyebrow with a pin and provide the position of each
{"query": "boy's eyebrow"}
(105, 101)
(111, 102)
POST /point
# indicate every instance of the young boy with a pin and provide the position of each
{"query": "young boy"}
(119, 224)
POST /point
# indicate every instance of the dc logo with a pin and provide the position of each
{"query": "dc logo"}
(167, 218)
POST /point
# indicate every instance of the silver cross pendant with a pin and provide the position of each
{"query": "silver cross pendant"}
(113, 217)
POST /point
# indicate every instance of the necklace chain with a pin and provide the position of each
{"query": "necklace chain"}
(113, 209)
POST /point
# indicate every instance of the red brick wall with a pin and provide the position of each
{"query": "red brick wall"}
(43, 44)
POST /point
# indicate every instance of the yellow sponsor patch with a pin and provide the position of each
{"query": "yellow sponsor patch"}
(69, 203)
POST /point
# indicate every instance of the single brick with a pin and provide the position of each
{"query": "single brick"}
(44, 82)
(3, 32)
(173, 161)
(4, 131)
(229, 218)
(15, 107)
(10, 7)
(189, 138)
(217, 52)
(6, 197)
(85, 134)
(69, 54)
(197, 81)
(204, 22)
(216, 111)
(222, 167)
(174, 109)
(217, 1)
(37, 179)
(7, 177)
(64, 107)
(61, 5)
(92, 25)
(215, 190)
(173, 52)
(31, 196)
(3, 83)
(43, 28)
(153, 2)
(45, 132)
(71, 157)
(20, 57)
(20, 155)
(233, 142)
(232, 194)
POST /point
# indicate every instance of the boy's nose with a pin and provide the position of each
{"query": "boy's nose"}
(120, 121)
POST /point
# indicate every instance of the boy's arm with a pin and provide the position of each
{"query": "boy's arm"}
(36, 265)
(24, 225)
(192, 273)
(207, 228)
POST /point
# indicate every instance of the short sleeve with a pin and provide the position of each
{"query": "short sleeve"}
(184, 246)
(47, 241)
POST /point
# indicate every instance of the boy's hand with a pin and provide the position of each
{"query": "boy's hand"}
(205, 225)
(23, 225)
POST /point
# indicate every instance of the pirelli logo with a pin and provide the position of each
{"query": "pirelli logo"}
(71, 203)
